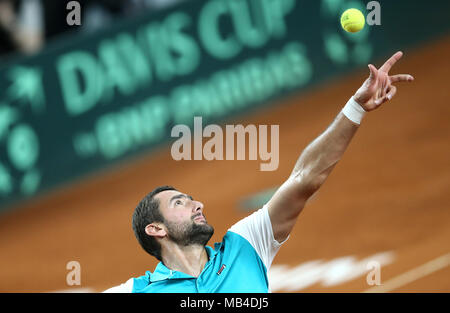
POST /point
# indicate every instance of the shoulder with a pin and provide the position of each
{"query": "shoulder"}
(132, 284)
(257, 230)
(126, 287)
(256, 218)
(256, 227)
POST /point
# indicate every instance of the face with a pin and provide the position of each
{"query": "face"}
(183, 218)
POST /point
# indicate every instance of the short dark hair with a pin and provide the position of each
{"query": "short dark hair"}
(148, 212)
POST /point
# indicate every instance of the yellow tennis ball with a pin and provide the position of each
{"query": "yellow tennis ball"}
(352, 20)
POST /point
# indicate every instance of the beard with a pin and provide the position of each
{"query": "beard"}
(190, 233)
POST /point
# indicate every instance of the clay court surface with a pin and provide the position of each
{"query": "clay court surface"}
(389, 194)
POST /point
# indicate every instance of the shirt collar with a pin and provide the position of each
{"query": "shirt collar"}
(162, 272)
(212, 252)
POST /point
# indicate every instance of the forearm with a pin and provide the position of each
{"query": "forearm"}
(311, 170)
(319, 158)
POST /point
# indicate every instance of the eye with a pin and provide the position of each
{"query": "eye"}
(178, 202)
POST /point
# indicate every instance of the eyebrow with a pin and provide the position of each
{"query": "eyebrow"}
(179, 197)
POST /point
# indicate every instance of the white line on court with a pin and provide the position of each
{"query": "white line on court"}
(412, 275)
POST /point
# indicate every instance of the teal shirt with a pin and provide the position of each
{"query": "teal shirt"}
(238, 264)
(242, 271)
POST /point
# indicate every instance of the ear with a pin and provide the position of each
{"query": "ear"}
(156, 230)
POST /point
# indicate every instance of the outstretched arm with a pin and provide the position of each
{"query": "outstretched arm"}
(320, 157)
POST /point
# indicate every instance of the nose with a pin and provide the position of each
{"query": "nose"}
(198, 207)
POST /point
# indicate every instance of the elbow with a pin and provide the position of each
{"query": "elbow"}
(314, 185)
(308, 183)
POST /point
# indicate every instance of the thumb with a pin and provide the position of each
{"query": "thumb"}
(373, 73)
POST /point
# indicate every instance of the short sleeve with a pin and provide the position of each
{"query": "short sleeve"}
(126, 287)
(257, 230)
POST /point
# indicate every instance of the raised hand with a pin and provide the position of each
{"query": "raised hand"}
(379, 88)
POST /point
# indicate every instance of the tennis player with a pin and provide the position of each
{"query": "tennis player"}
(171, 226)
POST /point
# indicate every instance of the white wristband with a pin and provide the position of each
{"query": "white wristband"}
(353, 111)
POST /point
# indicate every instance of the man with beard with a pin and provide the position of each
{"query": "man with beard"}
(171, 226)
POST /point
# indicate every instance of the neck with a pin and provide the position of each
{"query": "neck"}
(187, 259)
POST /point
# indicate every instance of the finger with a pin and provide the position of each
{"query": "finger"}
(390, 94)
(373, 76)
(385, 87)
(392, 60)
(384, 92)
(373, 72)
(401, 78)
